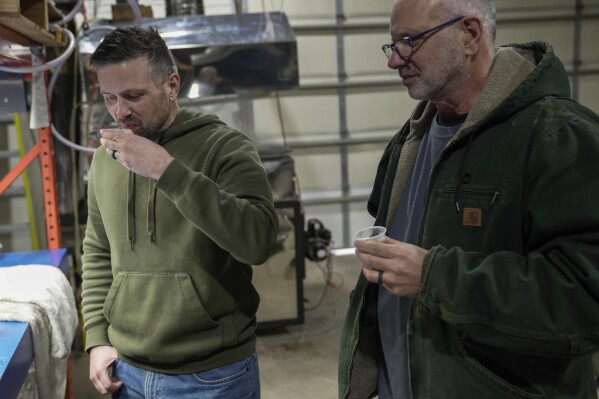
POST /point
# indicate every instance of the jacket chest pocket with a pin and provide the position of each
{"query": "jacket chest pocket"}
(482, 211)
(472, 206)
(470, 196)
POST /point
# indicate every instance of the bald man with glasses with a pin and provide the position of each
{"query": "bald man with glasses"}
(484, 285)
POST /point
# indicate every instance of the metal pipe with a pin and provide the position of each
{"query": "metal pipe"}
(333, 142)
(391, 83)
(530, 16)
(337, 200)
(576, 61)
(343, 127)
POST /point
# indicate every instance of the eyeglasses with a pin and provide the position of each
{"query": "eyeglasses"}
(405, 46)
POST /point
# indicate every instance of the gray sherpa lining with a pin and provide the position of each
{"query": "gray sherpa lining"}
(510, 69)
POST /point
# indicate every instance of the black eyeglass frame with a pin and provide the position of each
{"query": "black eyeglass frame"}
(411, 39)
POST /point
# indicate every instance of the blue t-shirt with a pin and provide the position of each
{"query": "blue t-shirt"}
(393, 311)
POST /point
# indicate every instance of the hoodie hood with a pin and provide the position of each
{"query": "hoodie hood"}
(186, 122)
(522, 74)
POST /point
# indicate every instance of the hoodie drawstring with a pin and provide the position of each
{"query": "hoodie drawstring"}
(152, 211)
(131, 210)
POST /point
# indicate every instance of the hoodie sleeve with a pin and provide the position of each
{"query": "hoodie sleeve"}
(229, 199)
(97, 273)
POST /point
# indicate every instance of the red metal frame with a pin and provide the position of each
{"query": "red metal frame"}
(49, 188)
(43, 149)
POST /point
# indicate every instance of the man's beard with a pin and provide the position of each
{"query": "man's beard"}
(156, 123)
(431, 85)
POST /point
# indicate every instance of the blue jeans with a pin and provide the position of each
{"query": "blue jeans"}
(238, 380)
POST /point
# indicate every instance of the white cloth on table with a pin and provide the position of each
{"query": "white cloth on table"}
(42, 296)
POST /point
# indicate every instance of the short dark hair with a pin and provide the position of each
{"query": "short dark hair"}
(132, 42)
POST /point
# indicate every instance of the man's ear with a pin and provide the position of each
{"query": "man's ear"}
(174, 85)
(472, 29)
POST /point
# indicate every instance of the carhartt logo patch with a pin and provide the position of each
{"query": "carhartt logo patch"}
(472, 217)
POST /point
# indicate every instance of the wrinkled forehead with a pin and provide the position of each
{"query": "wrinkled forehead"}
(129, 75)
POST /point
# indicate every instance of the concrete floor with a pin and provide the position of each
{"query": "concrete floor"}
(298, 361)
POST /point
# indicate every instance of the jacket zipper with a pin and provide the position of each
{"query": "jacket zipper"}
(492, 195)
(384, 205)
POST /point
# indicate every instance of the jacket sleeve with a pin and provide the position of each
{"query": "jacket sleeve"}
(97, 273)
(545, 300)
(230, 201)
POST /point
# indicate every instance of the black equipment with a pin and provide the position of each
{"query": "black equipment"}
(317, 240)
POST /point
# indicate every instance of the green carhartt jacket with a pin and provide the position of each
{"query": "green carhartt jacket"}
(509, 303)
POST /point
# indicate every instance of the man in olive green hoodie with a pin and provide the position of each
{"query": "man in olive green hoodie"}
(178, 211)
(487, 285)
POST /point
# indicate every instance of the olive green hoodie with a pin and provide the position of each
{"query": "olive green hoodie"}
(510, 285)
(166, 264)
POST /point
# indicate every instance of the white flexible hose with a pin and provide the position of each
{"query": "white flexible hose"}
(71, 14)
(136, 11)
(59, 61)
(52, 83)
(50, 64)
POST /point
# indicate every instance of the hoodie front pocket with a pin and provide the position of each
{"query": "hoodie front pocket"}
(159, 317)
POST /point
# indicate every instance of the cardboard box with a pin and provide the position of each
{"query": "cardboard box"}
(123, 12)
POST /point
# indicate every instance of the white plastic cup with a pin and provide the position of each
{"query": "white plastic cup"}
(117, 130)
(375, 233)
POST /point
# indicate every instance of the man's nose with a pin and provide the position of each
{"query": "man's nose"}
(397, 60)
(122, 109)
